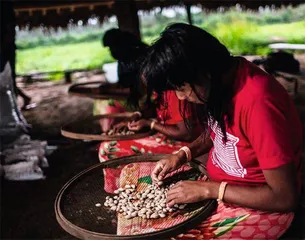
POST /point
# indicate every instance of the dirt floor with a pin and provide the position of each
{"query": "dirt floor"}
(27, 208)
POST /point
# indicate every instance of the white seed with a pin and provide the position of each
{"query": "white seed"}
(143, 210)
(134, 214)
(182, 206)
(98, 205)
(158, 208)
(154, 215)
(127, 186)
(113, 208)
(162, 215)
(116, 191)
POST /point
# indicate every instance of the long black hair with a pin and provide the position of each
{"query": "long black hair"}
(188, 54)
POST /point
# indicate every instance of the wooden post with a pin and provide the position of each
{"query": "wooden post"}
(127, 15)
(68, 78)
(189, 14)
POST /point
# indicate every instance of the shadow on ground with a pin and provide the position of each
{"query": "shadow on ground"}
(27, 208)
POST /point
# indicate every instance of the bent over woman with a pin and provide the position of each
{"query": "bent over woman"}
(252, 133)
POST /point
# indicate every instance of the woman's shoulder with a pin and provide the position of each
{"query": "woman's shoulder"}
(256, 83)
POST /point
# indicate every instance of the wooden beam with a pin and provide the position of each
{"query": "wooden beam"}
(127, 15)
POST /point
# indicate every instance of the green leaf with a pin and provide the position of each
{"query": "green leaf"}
(114, 150)
(146, 179)
(103, 152)
(225, 228)
(193, 178)
(135, 149)
(111, 102)
(113, 143)
(106, 146)
(111, 156)
(227, 221)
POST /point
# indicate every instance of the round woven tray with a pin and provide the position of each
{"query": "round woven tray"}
(98, 90)
(90, 129)
(76, 210)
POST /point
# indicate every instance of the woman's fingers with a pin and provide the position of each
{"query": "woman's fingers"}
(155, 173)
(134, 126)
(173, 199)
(163, 172)
(117, 128)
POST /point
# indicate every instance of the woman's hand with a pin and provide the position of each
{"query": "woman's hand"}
(120, 126)
(138, 125)
(165, 166)
(136, 116)
(190, 192)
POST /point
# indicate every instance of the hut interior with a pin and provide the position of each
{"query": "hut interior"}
(27, 206)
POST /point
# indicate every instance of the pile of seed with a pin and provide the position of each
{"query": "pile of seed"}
(149, 203)
(123, 132)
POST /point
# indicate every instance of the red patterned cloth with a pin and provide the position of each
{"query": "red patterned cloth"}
(234, 222)
(227, 221)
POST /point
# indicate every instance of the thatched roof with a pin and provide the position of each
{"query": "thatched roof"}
(59, 13)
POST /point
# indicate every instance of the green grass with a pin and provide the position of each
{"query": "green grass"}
(243, 37)
(293, 32)
(71, 56)
(240, 35)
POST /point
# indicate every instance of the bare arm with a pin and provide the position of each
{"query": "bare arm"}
(278, 195)
(201, 145)
(176, 131)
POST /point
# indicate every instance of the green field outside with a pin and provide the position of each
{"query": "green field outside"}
(246, 33)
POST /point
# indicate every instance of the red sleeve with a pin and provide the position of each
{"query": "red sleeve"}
(169, 111)
(269, 132)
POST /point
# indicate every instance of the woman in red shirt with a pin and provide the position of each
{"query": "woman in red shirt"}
(252, 133)
(171, 130)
